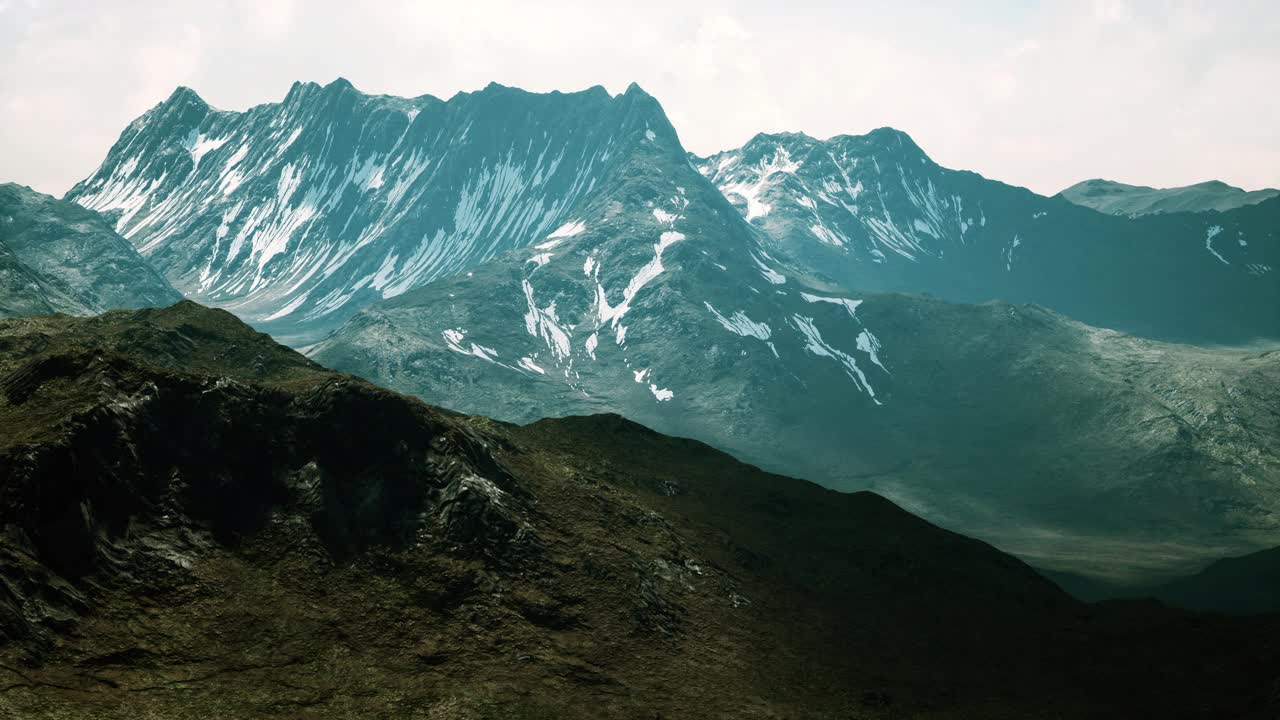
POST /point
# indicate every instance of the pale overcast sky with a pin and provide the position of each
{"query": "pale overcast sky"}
(1040, 94)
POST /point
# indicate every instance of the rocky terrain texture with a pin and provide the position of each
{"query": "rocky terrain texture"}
(1116, 198)
(55, 256)
(198, 522)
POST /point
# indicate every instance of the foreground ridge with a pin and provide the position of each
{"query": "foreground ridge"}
(198, 518)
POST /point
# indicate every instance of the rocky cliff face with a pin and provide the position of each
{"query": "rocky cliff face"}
(55, 256)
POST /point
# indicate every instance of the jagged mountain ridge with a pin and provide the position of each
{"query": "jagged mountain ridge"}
(306, 542)
(55, 256)
(875, 213)
(1115, 198)
(296, 214)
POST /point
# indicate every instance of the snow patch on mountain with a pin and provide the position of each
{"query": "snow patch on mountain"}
(568, 230)
(758, 180)
(611, 314)
(817, 346)
(740, 324)
(850, 305)
(454, 339)
(1213, 232)
(543, 322)
(333, 199)
(200, 145)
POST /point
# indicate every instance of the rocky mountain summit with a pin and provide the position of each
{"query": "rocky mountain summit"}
(873, 213)
(296, 214)
(197, 520)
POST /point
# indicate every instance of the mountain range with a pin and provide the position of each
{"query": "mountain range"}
(1116, 198)
(198, 520)
(1005, 421)
(296, 214)
(873, 213)
(524, 255)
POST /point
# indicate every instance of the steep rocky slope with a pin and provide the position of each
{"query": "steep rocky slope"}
(200, 522)
(55, 256)
(874, 213)
(296, 214)
(1116, 198)
(22, 291)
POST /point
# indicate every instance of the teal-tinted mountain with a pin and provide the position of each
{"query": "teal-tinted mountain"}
(1115, 198)
(1059, 441)
(559, 254)
(56, 256)
(1075, 447)
(875, 213)
(199, 522)
(296, 214)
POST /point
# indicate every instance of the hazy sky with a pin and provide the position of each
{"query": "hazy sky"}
(1040, 94)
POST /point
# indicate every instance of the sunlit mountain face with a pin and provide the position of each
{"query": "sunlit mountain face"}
(874, 213)
(296, 214)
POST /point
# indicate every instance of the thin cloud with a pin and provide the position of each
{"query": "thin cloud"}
(1036, 94)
